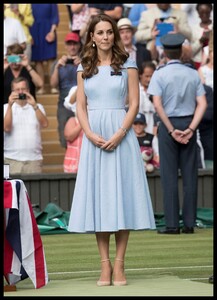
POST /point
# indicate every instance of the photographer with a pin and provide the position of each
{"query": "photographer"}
(23, 120)
(64, 77)
(148, 32)
(17, 64)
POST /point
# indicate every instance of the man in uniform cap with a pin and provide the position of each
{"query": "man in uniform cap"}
(175, 41)
(172, 41)
(180, 102)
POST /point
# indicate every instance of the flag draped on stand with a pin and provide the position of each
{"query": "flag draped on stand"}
(23, 249)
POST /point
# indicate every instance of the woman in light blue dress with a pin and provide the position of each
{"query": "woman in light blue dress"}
(111, 193)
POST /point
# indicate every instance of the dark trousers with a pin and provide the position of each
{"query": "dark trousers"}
(63, 115)
(206, 137)
(70, 13)
(142, 54)
(175, 156)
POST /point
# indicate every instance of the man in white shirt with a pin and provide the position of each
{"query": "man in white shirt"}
(13, 33)
(23, 120)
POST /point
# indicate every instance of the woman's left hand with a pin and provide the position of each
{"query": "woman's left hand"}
(50, 37)
(114, 141)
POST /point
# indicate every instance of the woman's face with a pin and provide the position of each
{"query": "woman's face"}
(204, 13)
(103, 36)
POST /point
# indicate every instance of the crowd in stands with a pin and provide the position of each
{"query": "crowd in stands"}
(30, 40)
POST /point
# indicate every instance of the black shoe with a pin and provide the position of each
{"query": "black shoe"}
(188, 230)
(169, 230)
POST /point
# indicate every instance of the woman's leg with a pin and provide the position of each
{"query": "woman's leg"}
(103, 239)
(121, 239)
(39, 66)
(50, 62)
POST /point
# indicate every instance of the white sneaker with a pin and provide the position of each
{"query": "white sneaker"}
(54, 91)
(40, 91)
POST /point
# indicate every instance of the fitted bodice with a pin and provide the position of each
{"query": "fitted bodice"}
(106, 90)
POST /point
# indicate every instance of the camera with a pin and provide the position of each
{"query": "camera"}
(14, 59)
(70, 61)
(22, 96)
(150, 98)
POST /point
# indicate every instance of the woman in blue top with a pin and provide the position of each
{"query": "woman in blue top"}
(111, 193)
(43, 31)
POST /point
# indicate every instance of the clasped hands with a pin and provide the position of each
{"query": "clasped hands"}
(107, 145)
(182, 136)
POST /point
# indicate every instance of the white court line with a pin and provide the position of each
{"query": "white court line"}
(196, 278)
(141, 269)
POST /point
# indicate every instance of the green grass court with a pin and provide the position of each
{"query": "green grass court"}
(155, 265)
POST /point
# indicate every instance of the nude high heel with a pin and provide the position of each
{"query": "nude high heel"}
(122, 282)
(108, 282)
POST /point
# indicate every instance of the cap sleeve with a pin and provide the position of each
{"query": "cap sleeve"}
(130, 63)
(80, 68)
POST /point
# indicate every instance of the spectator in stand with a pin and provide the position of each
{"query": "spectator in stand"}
(206, 127)
(147, 30)
(23, 13)
(126, 9)
(19, 67)
(201, 35)
(151, 5)
(147, 141)
(23, 120)
(136, 12)
(80, 16)
(83, 30)
(73, 134)
(206, 71)
(44, 48)
(192, 14)
(13, 33)
(143, 54)
(127, 31)
(146, 106)
(70, 14)
(64, 76)
(113, 10)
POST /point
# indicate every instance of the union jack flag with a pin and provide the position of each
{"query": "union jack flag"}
(23, 249)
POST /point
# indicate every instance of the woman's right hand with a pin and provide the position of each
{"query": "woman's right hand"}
(96, 139)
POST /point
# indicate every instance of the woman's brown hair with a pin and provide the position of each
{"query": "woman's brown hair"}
(14, 49)
(89, 57)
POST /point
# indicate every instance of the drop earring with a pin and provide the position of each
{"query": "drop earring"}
(94, 45)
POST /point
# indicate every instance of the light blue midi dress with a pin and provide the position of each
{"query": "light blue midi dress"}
(111, 190)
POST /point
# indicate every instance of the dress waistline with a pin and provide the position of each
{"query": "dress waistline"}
(106, 108)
